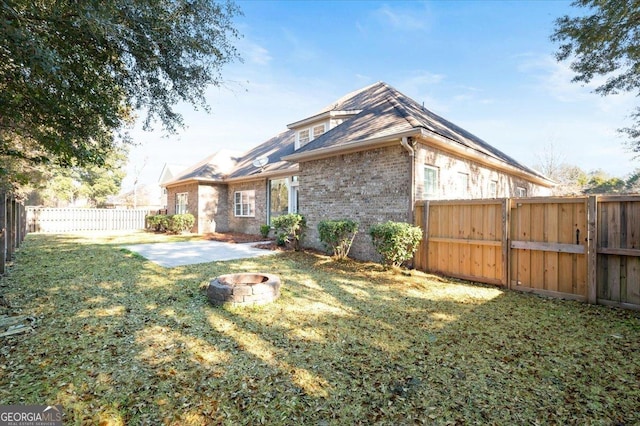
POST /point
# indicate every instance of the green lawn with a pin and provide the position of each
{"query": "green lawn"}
(120, 340)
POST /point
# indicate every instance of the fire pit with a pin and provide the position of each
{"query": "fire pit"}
(244, 289)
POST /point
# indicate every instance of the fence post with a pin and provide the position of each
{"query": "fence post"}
(592, 249)
(425, 221)
(19, 236)
(11, 228)
(506, 238)
(3, 232)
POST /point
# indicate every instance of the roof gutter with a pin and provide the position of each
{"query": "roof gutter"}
(264, 175)
(448, 145)
(358, 145)
(190, 180)
(258, 176)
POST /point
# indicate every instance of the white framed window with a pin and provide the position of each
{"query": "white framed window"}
(244, 203)
(462, 185)
(521, 192)
(182, 202)
(318, 130)
(305, 136)
(493, 189)
(430, 181)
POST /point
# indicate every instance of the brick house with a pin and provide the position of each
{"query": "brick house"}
(368, 157)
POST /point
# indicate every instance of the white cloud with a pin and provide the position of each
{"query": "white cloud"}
(412, 19)
(555, 78)
(257, 54)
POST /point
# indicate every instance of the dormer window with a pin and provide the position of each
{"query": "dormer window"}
(307, 135)
(318, 130)
(304, 136)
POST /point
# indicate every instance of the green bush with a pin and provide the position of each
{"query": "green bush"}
(338, 235)
(396, 242)
(157, 222)
(264, 230)
(179, 223)
(290, 229)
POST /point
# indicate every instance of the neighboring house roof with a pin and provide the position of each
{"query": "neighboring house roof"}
(376, 114)
(169, 171)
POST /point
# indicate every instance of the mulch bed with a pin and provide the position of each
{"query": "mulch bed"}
(234, 237)
(262, 242)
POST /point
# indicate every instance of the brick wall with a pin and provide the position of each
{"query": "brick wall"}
(248, 225)
(480, 176)
(192, 200)
(368, 187)
(375, 186)
(213, 209)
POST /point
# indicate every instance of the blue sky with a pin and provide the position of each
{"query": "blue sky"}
(487, 66)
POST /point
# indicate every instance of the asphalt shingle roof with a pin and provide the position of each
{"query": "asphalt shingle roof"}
(380, 111)
(384, 111)
(274, 149)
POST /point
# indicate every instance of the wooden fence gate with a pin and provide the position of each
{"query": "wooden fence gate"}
(548, 246)
(582, 248)
(618, 251)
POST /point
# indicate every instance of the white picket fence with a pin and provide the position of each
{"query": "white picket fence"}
(54, 220)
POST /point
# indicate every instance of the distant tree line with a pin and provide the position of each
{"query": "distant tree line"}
(573, 180)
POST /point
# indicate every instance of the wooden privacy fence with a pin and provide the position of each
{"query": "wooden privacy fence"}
(12, 228)
(583, 248)
(60, 220)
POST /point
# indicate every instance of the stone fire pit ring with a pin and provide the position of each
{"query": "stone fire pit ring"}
(244, 289)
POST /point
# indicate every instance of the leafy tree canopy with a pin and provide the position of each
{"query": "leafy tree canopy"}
(62, 186)
(605, 41)
(72, 73)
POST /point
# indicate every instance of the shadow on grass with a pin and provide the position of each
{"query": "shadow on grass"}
(124, 341)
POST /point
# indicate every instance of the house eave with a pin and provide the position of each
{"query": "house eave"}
(190, 180)
(438, 141)
(265, 175)
(430, 138)
(322, 116)
(355, 146)
(292, 169)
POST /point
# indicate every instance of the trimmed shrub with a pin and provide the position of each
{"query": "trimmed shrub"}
(180, 223)
(396, 242)
(157, 222)
(264, 230)
(290, 229)
(337, 236)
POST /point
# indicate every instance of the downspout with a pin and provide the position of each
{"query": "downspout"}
(412, 197)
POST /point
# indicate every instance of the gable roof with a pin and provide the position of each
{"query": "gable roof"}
(168, 173)
(274, 149)
(227, 165)
(384, 112)
(378, 114)
(213, 168)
